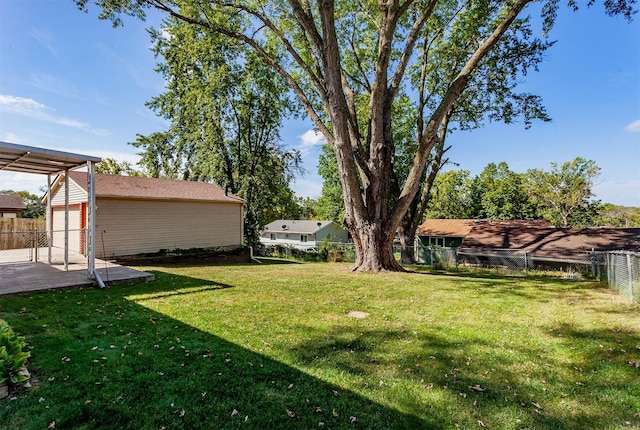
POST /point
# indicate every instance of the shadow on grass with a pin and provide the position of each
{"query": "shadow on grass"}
(275, 260)
(106, 361)
(539, 288)
(539, 392)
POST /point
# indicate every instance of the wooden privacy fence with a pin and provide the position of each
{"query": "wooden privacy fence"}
(12, 231)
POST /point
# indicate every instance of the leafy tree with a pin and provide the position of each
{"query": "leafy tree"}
(225, 106)
(499, 193)
(450, 196)
(307, 208)
(34, 207)
(620, 216)
(565, 191)
(111, 166)
(347, 63)
(330, 204)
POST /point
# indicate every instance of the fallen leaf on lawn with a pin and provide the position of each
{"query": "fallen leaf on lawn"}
(52, 425)
(463, 395)
(290, 386)
(320, 424)
(481, 424)
(335, 393)
(335, 414)
(318, 409)
(477, 388)
(537, 405)
(291, 414)
(353, 420)
(234, 412)
(182, 413)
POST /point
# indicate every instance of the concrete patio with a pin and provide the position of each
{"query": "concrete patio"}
(18, 275)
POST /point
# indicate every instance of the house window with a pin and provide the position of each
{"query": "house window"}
(272, 236)
(436, 241)
(286, 236)
(303, 238)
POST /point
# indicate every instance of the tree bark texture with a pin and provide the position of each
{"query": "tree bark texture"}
(365, 163)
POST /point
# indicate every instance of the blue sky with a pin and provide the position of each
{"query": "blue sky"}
(71, 82)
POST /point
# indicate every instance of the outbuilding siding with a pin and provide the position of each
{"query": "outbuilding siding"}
(129, 227)
(76, 194)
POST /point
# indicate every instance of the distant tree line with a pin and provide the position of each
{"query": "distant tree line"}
(562, 195)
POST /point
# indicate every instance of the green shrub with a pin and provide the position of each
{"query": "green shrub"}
(13, 360)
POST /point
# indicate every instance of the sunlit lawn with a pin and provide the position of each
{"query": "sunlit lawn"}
(273, 346)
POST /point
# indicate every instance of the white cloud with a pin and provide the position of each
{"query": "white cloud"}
(12, 138)
(34, 109)
(634, 127)
(309, 140)
(18, 181)
(308, 187)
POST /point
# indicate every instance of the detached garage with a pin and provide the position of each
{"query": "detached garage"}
(137, 215)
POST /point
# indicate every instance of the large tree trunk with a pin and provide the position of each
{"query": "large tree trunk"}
(374, 248)
(366, 168)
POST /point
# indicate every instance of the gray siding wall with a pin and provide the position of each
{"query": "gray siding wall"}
(129, 227)
(334, 232)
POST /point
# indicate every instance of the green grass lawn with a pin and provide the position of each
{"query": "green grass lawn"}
(272, 346)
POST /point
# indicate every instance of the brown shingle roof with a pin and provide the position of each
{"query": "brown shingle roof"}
(549, 242)
(153, 188)
(462, 227)
(446, 227)
(11, 201)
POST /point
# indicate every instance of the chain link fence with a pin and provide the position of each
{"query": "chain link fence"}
(623, 273)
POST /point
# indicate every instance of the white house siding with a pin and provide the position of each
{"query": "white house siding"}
(76, 194)
(129, 227)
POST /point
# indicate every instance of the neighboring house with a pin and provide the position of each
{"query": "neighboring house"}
(11, 205)
(450, 233)
(302, 234)
(136, 215)
(446, 233)
(547, 245)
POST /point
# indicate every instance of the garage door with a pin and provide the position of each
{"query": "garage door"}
(75, 230)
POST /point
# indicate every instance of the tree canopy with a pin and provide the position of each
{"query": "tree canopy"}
(349, 64)
(561, 195)
(225, 107)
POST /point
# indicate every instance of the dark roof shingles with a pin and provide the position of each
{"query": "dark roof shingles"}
(11, 201)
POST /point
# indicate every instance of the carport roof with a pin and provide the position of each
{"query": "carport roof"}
(29, 159)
